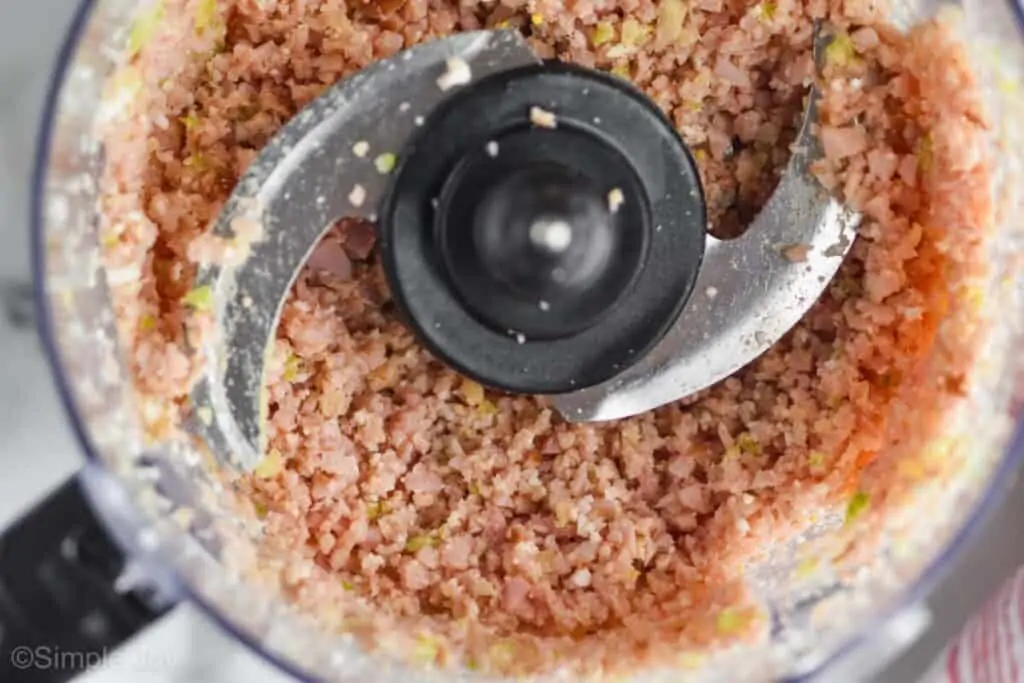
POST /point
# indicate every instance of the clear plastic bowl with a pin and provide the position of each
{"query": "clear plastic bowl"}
(136, 487)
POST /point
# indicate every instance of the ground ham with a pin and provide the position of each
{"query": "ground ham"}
(453, 510)
(843, 142)
(331, 257)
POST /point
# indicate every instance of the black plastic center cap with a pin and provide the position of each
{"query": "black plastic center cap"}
(543, 259)
(529, 239)
(545, 231)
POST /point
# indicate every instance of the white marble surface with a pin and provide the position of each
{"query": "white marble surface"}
(38, 450)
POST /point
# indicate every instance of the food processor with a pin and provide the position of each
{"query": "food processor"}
(145, 524)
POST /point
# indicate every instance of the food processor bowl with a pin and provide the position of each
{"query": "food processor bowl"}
(180, 529)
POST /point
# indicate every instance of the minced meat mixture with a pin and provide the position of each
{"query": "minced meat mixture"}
(481, 529)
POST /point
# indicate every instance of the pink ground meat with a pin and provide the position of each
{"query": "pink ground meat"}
(515, 540)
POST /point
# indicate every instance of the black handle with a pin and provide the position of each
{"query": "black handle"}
(64, 603)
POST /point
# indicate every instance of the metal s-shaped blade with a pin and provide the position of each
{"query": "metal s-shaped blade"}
(296, 189)
(750, 291)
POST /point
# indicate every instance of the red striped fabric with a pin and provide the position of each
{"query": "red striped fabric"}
(991, 647)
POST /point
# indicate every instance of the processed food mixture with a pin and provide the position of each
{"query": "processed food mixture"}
(454, 525)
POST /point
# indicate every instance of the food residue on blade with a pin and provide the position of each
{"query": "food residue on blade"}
(357, 196)
(616, 199)
(385, 163)
(796, 253)
(542, 118)
(457, 72)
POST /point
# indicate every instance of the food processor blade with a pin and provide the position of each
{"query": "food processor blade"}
(750, 291)
(335, 160)
(299, 185)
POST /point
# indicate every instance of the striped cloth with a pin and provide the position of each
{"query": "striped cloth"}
(990, 649)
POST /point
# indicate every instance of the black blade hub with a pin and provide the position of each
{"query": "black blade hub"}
(544, 229)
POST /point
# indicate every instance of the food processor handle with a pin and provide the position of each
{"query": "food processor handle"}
(67, 598)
